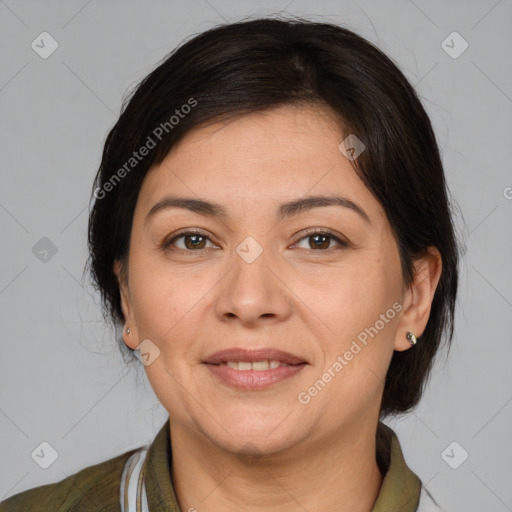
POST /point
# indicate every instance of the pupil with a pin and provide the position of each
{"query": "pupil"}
(324, 237)
(194, 244)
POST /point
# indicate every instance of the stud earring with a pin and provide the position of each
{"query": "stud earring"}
(411, 337)
(128, 331)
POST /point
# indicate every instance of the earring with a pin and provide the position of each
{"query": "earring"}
(411, 337)
(128, 331)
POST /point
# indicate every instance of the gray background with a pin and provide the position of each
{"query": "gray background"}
(62, 379)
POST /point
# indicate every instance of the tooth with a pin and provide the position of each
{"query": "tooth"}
(255, 365)
(260, 365)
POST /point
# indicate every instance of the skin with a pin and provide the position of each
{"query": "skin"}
(310, 301)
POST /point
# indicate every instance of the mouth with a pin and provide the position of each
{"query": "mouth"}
(258, 366)
(253, 369)
(241, 355)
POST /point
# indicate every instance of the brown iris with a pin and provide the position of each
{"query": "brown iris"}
(324, 244)
(195, 244)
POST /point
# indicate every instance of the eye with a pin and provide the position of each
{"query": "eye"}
(321, 240)
(191, 241)
(196, 241)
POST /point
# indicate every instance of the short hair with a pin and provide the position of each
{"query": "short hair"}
(254, 65)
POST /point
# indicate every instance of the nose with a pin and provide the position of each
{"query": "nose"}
(254, 292)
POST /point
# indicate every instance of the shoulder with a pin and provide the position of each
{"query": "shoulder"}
(93, 488)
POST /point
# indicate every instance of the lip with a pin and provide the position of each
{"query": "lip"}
(253, 379)
(245, 355)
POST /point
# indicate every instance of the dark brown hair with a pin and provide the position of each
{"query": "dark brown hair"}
(250, 66)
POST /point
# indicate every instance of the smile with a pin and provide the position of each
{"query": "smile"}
(254, 365)
(253, 369)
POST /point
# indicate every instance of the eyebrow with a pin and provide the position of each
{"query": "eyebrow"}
(285, 210)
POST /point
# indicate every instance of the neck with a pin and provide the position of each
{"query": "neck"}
(324, 475)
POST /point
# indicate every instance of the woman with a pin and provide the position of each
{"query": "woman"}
(271, 226)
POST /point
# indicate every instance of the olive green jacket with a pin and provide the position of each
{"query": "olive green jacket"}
(97, 488)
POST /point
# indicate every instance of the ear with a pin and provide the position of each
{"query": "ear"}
(131, 339)
(418, 298)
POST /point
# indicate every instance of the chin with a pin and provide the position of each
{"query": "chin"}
(252, 430)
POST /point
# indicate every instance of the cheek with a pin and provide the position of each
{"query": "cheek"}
(357, 306)
(349, 296)
(159, 299)
(169, 306)
(358, 346)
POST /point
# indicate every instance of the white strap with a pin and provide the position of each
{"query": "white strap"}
(133, 488)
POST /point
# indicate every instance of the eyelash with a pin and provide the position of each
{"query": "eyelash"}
(166, 244)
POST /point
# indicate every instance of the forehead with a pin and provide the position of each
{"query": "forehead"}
(263, 158)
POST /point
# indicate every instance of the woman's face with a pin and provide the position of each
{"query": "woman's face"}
(257, 278)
